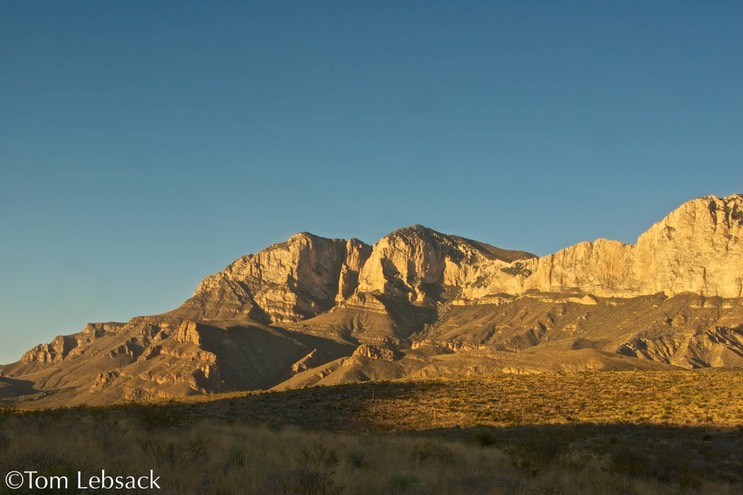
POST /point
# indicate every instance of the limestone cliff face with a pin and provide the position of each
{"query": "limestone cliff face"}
(356, 255)
(601, 267)
(426, 267)
(697, 248)
(290, 281)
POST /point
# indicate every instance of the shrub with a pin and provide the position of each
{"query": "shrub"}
(429, 449)
(315, 474)
(406, 483)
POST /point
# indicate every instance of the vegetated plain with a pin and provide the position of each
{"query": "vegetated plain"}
(594, 432)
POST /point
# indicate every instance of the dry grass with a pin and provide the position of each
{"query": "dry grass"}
(599, 433)
(218, 458)
(675, 398)
(655, 398)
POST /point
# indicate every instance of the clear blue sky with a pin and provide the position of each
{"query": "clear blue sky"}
(144, 145)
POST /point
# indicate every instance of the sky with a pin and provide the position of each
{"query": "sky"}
(145, 145)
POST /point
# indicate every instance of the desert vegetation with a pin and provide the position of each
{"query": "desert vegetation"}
(530, 434)
(702, 398)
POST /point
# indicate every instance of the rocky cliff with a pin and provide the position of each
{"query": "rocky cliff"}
(290, 281)
(697, 248)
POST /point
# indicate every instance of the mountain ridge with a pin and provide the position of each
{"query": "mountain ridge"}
(314, 310)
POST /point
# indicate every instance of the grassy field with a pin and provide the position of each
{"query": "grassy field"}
(680, 398)
(603, 433)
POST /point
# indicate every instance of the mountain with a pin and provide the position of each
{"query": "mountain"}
(418, 303)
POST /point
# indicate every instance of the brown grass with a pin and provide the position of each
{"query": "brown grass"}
(602, 433)
(219, 458)
(675, 398)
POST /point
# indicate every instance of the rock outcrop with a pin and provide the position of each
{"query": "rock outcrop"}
(53, 352)
(290, 281)
(697, 248)
(426, 267)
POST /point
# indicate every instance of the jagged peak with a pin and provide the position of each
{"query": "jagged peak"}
(714, 211)
(730, 200)
(309, 236)
(300, 236)
(356, 240)
(414, 230)
(419, 235)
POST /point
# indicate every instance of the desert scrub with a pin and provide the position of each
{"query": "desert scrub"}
(690, 398)
(314, 473)
(214, 457)
(604, 433)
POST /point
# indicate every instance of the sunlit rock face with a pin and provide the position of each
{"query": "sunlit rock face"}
(696, 249)
(290, 281)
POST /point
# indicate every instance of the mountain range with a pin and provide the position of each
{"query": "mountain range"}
(417, 304)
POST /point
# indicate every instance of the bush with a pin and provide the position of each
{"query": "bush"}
(406, 483)
(315, 474)
(429, 449)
